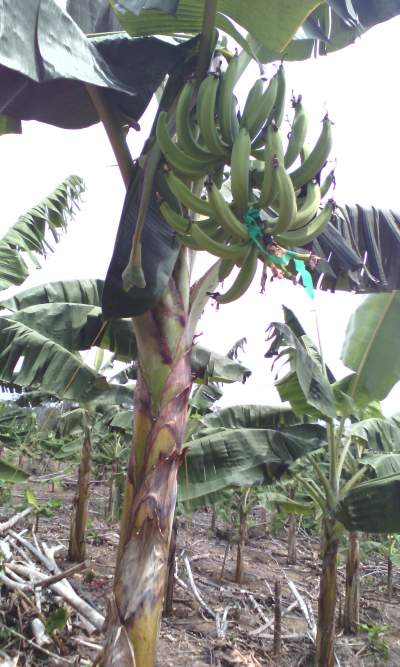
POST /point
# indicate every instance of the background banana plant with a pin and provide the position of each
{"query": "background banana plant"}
(345, 500)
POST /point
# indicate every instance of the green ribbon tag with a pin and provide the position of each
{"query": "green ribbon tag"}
(251, 219)
(305, 276)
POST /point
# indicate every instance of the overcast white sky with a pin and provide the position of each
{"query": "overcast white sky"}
(359, 88)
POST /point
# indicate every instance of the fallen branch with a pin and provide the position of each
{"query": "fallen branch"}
(67, 593)
(62, 575)
(194, 588)
(305, 609)
(6, 525)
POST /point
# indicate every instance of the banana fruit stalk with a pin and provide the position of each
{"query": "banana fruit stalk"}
(274, 182)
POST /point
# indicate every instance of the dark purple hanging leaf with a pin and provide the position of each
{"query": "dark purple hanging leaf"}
(159, 254)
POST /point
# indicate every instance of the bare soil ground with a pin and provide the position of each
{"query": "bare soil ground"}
(191, 637)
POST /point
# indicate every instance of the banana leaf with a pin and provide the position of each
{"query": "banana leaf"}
(77, 326)
(29, 236)
(204, 396)
(250, 416)
(383, 464)
(363, 245)
(242, 457)
(71, 422)
(348, 20)
(31, 360)
(382, 435)
(86, 291)
(93, 15)
(9, 473)
(373, 506)
(272, 22)
(44, 76)
(114, 395)
(209, 366)
(123, 420)
(305, 379)
(371, 347)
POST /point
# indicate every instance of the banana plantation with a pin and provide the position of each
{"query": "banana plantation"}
(143, 519)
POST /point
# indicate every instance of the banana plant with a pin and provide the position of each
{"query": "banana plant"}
(345, 501)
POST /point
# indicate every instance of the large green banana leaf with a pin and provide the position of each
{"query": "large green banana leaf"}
(85, 291)
(294, 29)
(380, 434)
(46, 62)
(29, 359)
(250, 416)
(305, 385)
(383, 464)
(242, 457)
(373, 506)
(77, 326)
(272, 22)
(372, 347)
(29, 236)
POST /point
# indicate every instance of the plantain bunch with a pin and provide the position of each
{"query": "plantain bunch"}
(274, 205)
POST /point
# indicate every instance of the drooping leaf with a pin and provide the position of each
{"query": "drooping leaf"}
(242, 457)
(373, 506)
(29, 359)
(363, 245)
(43, 76)
(204, 396)
(371, 347)
(86, 291)
(305, 381)
(382, 435)
(383, 464)
(9, 473)
(78, 326)
(210, 366)
(160, 250)
(29, 236)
